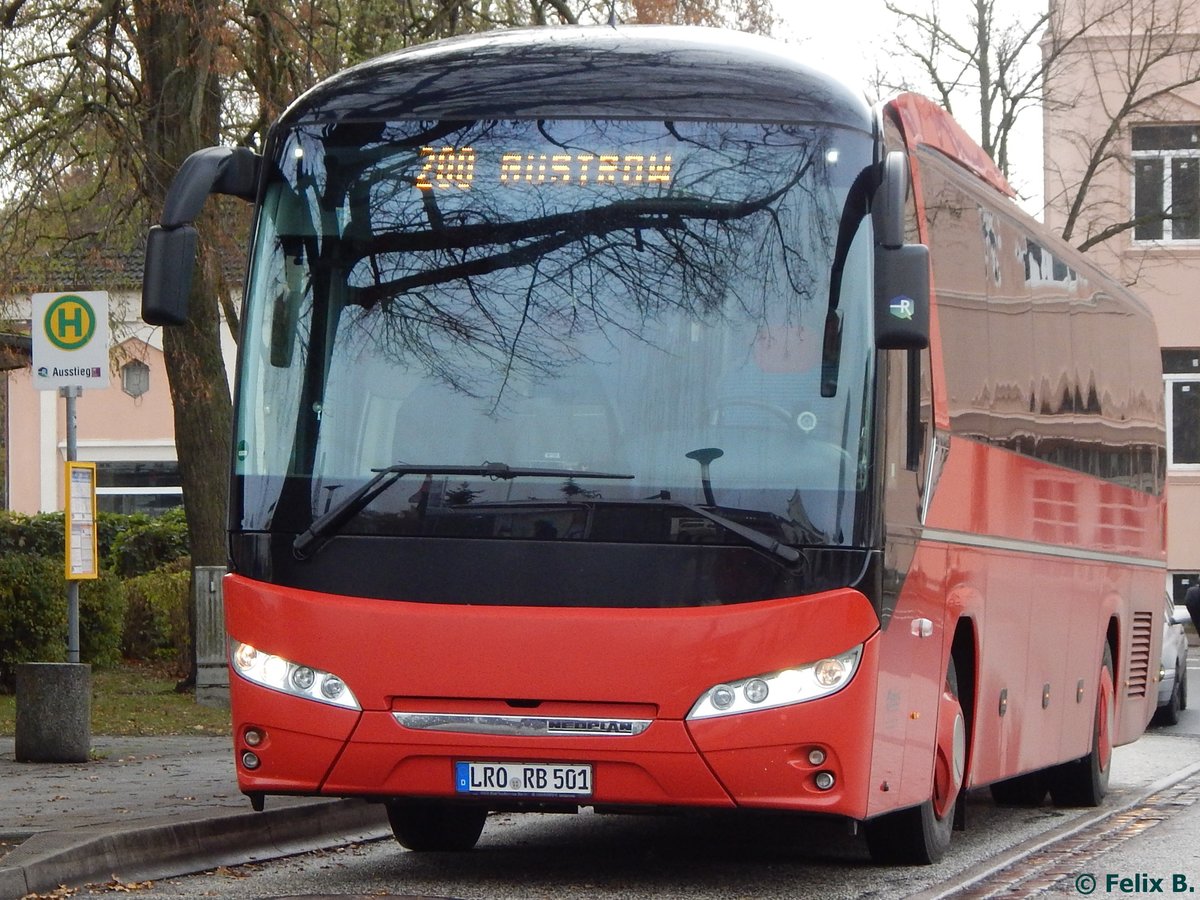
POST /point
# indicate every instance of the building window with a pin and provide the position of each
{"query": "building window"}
(1166, 182)
(138, 487)
(1180, 582)
(1181, 371)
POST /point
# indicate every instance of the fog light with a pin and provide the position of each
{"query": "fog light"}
(250, 760)
(816, 756)
(824, 780)
(244, 657)
(332, 687)
(829, 672)
(723, 696)
(303, 678)
(253, 737)
(756, 690)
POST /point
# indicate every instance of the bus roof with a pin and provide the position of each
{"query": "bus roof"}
(626, 72)
(924, 122)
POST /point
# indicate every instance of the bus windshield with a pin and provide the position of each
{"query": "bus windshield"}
(626, 317)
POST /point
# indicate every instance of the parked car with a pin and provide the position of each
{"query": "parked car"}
(1172, 682)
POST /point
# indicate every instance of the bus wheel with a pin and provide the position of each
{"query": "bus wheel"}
(428, 825)
(920, 835)
(1084, 782)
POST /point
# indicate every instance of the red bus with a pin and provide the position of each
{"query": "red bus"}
(638, 419)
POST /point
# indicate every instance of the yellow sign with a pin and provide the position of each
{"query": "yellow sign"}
(82, 560)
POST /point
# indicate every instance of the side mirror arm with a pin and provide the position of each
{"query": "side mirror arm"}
(171, 245)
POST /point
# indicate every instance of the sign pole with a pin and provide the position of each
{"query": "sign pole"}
(71, 394)
(70, 340)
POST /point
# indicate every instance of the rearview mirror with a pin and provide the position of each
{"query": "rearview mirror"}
(901, 270)
(902, 297)
(167, 278)
(171, 246)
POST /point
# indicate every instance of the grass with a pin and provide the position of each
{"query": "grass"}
(137, 699)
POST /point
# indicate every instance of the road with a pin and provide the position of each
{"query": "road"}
(1004, 852)
(1148, 849)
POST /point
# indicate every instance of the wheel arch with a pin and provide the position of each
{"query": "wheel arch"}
(1113, 637)
(964, 650)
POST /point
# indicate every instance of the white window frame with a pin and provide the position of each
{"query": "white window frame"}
(1169, 382)
(1168, 157)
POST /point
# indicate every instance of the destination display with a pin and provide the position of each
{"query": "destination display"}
(458, 168)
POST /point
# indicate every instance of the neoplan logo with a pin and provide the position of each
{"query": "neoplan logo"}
(70, 322)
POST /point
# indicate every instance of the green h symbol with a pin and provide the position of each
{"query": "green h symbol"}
(72, 319)
(70, 322)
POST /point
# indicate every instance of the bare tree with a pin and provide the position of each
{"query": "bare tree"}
(1137, 57)
(989, 59)
(757, 16)
(1120, 59)
(102, 100)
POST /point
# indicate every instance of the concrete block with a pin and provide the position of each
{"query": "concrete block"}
(212, 667)
(54, 712)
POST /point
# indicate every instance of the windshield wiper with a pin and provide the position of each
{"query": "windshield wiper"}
(776, 548)
(337, 516)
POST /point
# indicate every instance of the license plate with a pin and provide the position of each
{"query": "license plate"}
(525, 779)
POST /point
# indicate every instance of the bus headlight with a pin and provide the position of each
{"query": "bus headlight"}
(289, 677)
(797, 685)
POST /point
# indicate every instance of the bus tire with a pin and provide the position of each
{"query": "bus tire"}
(920, 835)
(1084, 781)
(909, 837)
(432, 826)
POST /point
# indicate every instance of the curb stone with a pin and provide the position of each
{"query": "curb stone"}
(168, 848)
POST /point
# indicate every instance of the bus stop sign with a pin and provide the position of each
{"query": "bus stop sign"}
(70, 340)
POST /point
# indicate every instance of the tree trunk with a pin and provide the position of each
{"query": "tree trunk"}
(203, 417)
(176, 50)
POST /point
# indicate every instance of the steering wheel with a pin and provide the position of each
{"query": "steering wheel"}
(774, 410)
(804, 422)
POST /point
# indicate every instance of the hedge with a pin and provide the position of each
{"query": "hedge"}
(148, 543)
(33, 613)
(156, 615)
(137, 608)
(127, 544)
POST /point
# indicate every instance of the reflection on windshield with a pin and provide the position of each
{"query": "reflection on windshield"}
(575, 297)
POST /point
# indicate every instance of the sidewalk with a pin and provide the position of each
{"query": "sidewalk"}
(146, 808)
